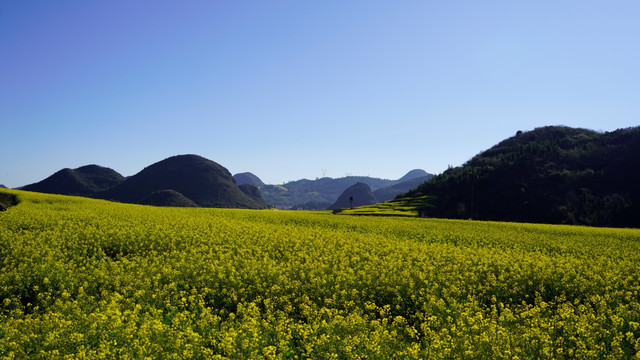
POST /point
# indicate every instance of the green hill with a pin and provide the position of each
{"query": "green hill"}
(390, 192)
(83, 181)
(549, 175)
(203, 181)
(168, 198)
(247, 178)
(358, 194)
(308, 194)
(254, 193)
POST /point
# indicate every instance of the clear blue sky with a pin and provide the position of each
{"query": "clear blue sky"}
(286, 89)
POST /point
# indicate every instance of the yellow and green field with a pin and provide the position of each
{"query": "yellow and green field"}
(83, 278)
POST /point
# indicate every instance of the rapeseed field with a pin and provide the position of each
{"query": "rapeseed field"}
(91, 279)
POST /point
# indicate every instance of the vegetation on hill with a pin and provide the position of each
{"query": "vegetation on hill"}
(553, 174)
(7, 200)
(254, 193)
(87, 180)
(390, 192)
(205, 182)
(86, 278)
(358, 194)
(248, 178)
(305, 193)
(168, 198)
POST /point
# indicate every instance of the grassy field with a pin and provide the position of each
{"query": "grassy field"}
(83, 278)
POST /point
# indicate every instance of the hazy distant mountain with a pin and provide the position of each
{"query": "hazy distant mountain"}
(201, 180)
(549, 175)
(83, 181)
(390, 192)
(413, 174)
(2, 186)
(168, 198)
(306, 194)
(247, 178)
(355, 195)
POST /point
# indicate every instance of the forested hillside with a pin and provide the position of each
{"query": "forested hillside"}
(548, 175)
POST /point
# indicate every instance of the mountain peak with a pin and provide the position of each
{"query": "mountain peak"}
(247, 178)
(201, 180)
(87, 180)
(415, 173)
(358, 194)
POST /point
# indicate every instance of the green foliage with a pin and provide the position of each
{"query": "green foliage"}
(548, 175)
(7, 201)
(83, 278)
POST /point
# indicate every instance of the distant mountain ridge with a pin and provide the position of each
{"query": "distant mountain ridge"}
(310, 194)
(184, 180)
(553, 174)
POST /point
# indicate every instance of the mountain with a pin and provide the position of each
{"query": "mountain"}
(552, 174)
(358, 194)
(168, 198)
(248, 178)
(390, 192)
(254, 193)
(201, 180)
(413, 174)
(307, 194)
(83, 181)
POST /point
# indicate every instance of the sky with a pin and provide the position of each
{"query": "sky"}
(304, 89)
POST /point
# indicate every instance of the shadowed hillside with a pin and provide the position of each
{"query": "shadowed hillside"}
(7, 201)
(201, 180)
(390, 192)
(83, 181)
(548, 175)
(168, 198)
(247, 178)
(414, 174)
(358, 194)
(309, 194)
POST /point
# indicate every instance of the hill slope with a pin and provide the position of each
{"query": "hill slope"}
(325, 190)
(548, 175)
(83, 181)
(203, 181)
(247, 178)
(168, 198)
(358, 194)
(390, 192)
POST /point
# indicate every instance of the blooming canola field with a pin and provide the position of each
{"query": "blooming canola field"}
(83, 278)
